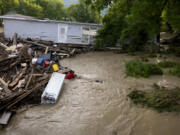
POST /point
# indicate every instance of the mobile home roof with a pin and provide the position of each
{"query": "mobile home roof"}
(28, 18)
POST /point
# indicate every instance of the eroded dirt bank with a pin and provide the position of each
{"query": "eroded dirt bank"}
(95, 103)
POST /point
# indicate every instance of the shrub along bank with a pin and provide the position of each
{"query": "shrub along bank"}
(159, 99)
(136, 68)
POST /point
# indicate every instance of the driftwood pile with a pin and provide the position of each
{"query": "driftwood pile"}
(21, 82)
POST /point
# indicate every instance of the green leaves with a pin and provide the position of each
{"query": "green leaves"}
(52, 9)
(135, 68)
(159, 99)
(173, 15)
(82, 12)
(132, 23)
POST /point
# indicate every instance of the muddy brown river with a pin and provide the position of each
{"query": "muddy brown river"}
(95, 103)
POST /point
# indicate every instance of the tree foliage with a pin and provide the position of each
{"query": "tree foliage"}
(52, 9)
(82, 12)
(134, 22)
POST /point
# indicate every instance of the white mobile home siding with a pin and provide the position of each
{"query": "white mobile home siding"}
(49, 30)
(74, 33)
(31, 29)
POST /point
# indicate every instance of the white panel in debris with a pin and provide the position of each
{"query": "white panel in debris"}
(53, 89)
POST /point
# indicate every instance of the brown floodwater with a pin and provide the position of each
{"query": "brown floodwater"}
(95, 103)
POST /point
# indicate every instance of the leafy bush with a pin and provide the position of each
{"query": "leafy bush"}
(175, 71)
(167, 64)
(136, 68)
(152, 55)
(174, 49)
(134, 37)
(99, 44)
(160, 99)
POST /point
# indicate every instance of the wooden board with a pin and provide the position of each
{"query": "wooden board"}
(5, 118)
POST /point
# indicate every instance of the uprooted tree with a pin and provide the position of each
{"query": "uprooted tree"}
(132, 23)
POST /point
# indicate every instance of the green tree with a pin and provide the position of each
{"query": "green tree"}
(134, 22)
(28, 7)
(82, 12)
(52, 9)
(6, 5)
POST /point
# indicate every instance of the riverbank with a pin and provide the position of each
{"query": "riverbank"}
(96, 104)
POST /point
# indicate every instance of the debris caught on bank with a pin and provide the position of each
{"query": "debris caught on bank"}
(26, 67)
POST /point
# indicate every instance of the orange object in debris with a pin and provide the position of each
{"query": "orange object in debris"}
(55, 67)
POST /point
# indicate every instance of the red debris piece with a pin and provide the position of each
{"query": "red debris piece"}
(70, 75)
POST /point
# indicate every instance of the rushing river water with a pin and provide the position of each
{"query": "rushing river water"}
(95, 103)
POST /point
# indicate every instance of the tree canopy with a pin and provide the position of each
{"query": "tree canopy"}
(83, 12)
(134, 22)
(52, 9)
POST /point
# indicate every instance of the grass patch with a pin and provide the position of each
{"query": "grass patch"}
(135, 68)
(167, 64)
(160, 100)
(175, 71)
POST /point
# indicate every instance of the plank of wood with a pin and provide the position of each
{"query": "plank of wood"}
(30, 78)
(12, 84)
(43, 78)
(15, 94)
(46, 51)
(5, 118)
(65, 71)
(34, 43)
(5, 85)
(39, 75)
(15, 39)
(9, 58)
(72, 52)
(3, 45)
(63, 54)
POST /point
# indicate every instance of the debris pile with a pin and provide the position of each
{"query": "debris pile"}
(26, 67)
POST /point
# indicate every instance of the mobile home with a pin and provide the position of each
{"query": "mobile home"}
(49, 30)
